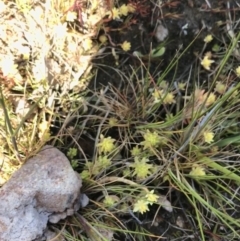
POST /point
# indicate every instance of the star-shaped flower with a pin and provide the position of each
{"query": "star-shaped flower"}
(197, 170)
(151, 197)
(206, 62)
(208, 136)
(126, 46)
(106, 144)
(141, 206)
(141, 168)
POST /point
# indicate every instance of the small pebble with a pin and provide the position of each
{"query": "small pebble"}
(161, 33)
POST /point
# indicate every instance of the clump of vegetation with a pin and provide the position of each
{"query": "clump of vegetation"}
(158, 153)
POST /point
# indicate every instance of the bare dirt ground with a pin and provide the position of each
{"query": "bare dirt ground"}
(184, 21)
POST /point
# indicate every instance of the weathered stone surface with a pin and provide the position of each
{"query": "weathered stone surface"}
(44, 189)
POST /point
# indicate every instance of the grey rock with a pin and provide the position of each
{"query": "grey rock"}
(161, 33)
(45, 188)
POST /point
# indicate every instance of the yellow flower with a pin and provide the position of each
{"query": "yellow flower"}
(141, 206)
(197, 171)
(182, 86)
(206, 62)
(238, 71)
(169, 98)
(220, 87)
(136, 151)
(208, 136)
(71, 16)
(151, 197)
(208, 38)
(141, 168)
(103, 38)
(87, 44)
(157, 94)
(151, 139)
(106, 145)
(123, 10)
(126, 46)
(114, 13)
(211, 98)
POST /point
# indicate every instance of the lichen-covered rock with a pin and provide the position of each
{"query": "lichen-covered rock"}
(45, 188)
